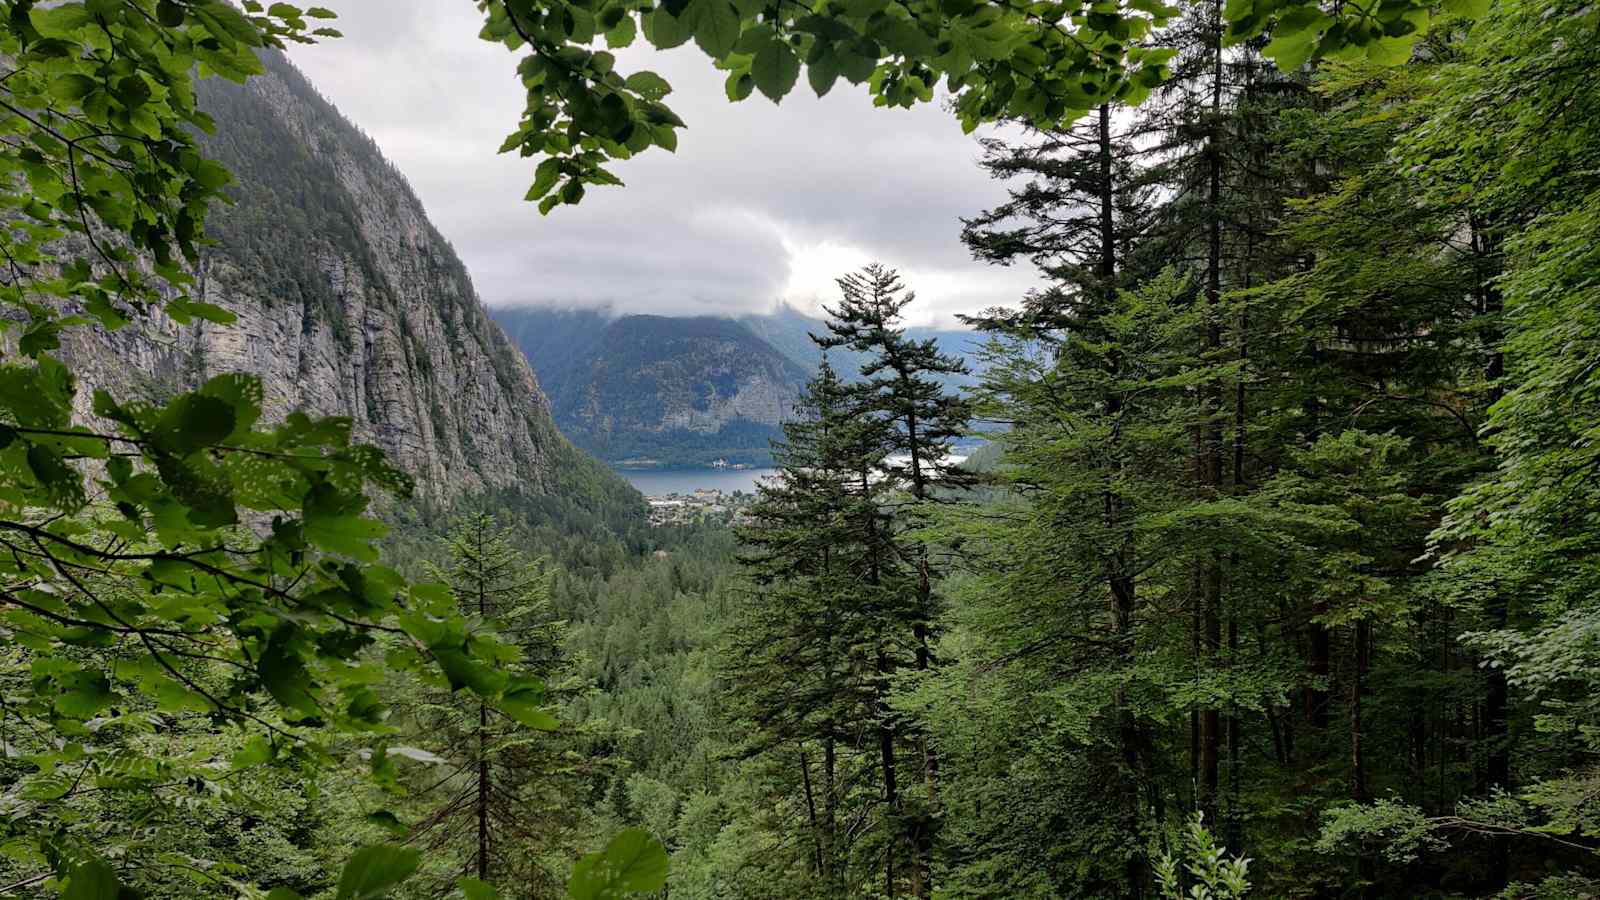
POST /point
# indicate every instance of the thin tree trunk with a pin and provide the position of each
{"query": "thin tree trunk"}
(483, 792)
(1496, 700)
(1211, 441)
(811, 815)
(891, 791)
(1358, 683)
(1358, 760)
(830, 815)
(483, 732)
(1119, 563)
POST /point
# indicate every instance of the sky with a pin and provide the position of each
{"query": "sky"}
(761, 203)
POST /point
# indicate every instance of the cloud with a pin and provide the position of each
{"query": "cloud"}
(761, 203)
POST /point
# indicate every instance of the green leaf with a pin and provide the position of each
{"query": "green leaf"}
(739, 86)
(169, 14)
(388, 822)
(664, 30)
(87, 693)
(622, 34)
(1472, 9)
(716, 28)
(372, 871)
(462, 671)
(649, 85)
(94, 880)
(524, 702)
(1391, 51)
(857, 60)
(72, 87)
(544, 178)
(256, 751)
(822, 70)
(473, 889)
(1290, 51)
(775, 69)
(284, 674)
(634, 861)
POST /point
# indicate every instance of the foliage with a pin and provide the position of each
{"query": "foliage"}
(1046, 65)
(1200, 862)
(176, 565)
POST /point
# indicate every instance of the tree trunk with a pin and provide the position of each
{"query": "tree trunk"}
(811, 815)
(830, 815)
(1496, 697)
(483, 792)
(1358, 683)
(886, 759)
(483, 733)
(1211, 440)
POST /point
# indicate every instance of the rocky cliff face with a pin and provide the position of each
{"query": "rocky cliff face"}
(349, 303)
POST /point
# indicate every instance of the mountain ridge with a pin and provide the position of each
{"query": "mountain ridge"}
(745, 371)
(349, 302)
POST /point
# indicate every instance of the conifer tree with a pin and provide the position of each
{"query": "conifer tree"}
(820, 631)
(902, 387)
(497, 805)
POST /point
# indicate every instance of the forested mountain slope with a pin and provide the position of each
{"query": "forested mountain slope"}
(789, 331)
(676, 390)
(681, 389)
(349, 303)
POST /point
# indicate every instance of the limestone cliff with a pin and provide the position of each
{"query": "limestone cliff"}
(349, 303)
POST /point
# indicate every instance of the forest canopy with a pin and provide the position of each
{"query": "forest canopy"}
(1281, 580)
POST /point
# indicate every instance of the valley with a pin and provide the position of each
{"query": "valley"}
(1243, 542)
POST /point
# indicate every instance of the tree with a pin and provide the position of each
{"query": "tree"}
(902, 390)
(823, 625)
(502, 807)
(148, 540)
(1012, 60)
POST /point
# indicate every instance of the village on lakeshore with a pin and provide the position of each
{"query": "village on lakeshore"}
(701, 505)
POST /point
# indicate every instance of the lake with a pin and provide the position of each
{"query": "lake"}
(658, 482)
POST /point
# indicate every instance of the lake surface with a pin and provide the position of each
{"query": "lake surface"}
(657, 482)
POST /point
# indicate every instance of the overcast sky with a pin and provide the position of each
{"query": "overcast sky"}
(760, 203)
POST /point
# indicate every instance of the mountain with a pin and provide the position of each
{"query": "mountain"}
(681, 390)
(789, 331)
(351, 303)
(671, 390)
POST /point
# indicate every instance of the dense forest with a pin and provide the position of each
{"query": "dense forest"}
(1276, 579)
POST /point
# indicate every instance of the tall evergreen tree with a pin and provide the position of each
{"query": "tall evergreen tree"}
(902, 388)
(497, 805)
(823, 626)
